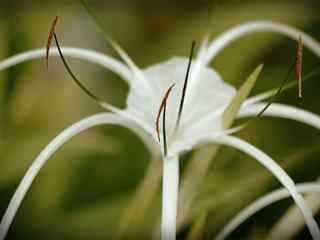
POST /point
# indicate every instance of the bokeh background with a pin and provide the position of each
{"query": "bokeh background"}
(83, 190)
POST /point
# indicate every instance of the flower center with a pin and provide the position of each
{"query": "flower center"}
(205, 98)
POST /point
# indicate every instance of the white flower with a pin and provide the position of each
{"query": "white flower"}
(207, 97)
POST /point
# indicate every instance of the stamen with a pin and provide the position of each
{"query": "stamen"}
(287, 86)
(272, 99)
(184, 89)
(50, 37)
(76, 80)
(164, 129)
(162, 105)
(299, 65)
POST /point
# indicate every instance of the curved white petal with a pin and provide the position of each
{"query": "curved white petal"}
(170, 186)
(83, 54)
(51, 148)
(244, 29)
(88, 55)
(140, 79)
(263, 202)
(260, 97)
(278, 172)
(291, 222)
(281, 110)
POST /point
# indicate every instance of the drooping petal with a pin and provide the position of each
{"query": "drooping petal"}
(247, 28)
(51, 148)
(83, 54)
(170, 186)
(263, 202)
(140, 80)
(283, 111)
(291, 222)
(88, 55)
(278, 172)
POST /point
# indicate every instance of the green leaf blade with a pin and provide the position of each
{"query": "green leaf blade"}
(242, 94)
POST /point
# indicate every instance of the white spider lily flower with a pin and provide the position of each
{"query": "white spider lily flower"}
(262, 202)
(206, 98)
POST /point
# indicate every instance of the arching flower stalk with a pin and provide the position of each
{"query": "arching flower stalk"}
(208, 107)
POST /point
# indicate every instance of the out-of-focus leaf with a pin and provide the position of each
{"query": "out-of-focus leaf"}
(244, 91)
(198, 226)
(16, 41)
(144, 194)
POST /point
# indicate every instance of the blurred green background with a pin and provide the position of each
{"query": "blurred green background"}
(84, 188)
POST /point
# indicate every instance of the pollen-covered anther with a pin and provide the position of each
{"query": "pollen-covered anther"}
(299, 65)
(162, 106)
(50, 38)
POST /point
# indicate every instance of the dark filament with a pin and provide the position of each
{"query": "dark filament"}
(75, 79)
(163, 102)
(185, 85)
(164, 129)
(272, 99)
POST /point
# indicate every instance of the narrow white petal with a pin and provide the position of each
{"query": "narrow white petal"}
(260, 97)
(281, 110)
(291, 222)
(138, 74)
(278, 172)
(263, 202)
(83, 54)
(51, 148)
(170, 186)
(259, 26)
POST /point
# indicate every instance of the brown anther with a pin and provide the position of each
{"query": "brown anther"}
(299, 56)
(50, 38)
(162, 105)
